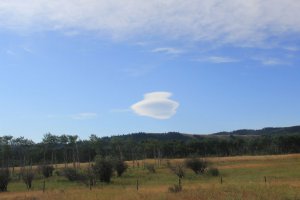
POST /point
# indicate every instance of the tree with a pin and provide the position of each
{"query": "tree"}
(103, 168)
(5, 143)
(21, 147)
(28, 176)
(64, 140)
(73, 142)
(178, 170)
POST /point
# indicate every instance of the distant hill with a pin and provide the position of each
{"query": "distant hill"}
(137, 137)
(294, 130)
(265, 131)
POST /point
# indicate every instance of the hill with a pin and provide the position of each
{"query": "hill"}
(265, 131)
(269, 131)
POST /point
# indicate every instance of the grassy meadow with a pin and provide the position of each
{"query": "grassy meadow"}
(243, 177)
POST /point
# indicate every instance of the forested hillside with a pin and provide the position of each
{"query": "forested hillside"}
(69, 149)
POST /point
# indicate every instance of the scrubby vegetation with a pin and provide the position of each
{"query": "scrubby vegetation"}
(4, 179)
(213, 171)
(46, 170)
(196, 164)
(120, 166)
(175, 188)
(243, 178)
(28, 176)
(150, 168)
(72, 174)
(177, 169)
(56, 163)
(103, 168)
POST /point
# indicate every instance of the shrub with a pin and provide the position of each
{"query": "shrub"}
(175, 188)
(46, 170)
(71, 174)
(28, 176)
(4, 179)
(150, 168)
(197, 165)
(103, 169)
(213, 171)
(120, 166)
(90, 177)
(58, 173)
(178, 170)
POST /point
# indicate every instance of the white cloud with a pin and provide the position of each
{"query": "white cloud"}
(230, 21)
(28, 50)
(157, 105)
(291, 48)
(167, 50)
(84, 116)
(219, 59)
(270, 61)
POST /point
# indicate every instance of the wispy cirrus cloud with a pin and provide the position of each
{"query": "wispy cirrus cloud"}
(27, 50)
(270, 61)
(218, 59)
(156, 105)
(291, 48)
(167, 50)
(230, 21)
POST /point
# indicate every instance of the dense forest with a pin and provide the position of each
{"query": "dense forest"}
(68, 149)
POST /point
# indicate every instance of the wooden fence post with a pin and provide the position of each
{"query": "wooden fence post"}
(44, 186)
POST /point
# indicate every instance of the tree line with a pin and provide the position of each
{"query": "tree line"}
(71, 151)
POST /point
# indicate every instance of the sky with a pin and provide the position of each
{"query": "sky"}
(124, 66)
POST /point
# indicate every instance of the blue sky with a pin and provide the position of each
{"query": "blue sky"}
(117, 67)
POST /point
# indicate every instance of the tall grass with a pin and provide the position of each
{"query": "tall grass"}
(243, 178)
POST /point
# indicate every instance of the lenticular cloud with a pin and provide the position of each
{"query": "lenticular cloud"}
(156, 105)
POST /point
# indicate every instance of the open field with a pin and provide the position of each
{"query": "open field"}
(243, 178)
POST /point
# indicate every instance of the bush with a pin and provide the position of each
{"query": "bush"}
(150, 168)
(90, 177)
(175, 188)
(197, 165)
(103, 168)
(4, 179)
(58, 173)
(178, 170)
(213, 171)
(28, 176)
(46, 170)
(71, 174)
(120, 166)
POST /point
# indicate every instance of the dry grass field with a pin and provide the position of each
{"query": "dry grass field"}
(243, 177)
